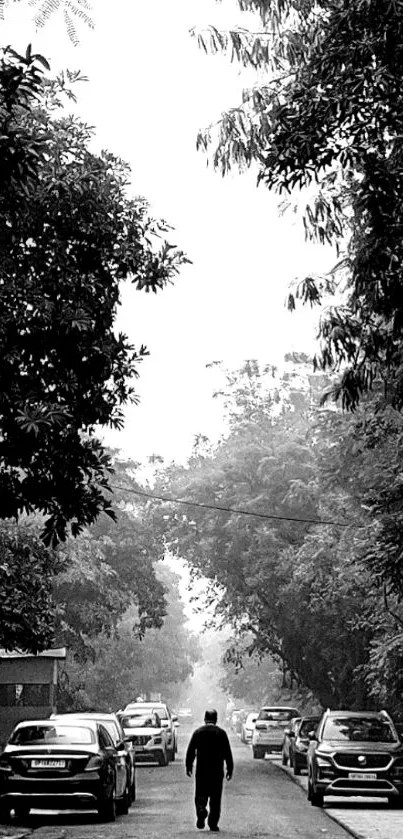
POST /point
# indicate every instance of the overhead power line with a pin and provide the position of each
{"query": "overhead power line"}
(239, 511)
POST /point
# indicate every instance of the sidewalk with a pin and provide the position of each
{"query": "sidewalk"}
(373, 819)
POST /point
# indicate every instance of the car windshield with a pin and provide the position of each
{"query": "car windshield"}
(359, 729)
(38, 735)
(142, 710)
(277, 714)
(307, 726)
(139, 722)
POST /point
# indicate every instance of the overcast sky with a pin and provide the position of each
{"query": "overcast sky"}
(150, 89)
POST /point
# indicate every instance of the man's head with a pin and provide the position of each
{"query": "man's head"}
(210, 716)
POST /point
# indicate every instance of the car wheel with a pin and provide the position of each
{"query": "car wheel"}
(296, 767)
(163, 759)
(284, 759)
(316, 797)
(124, 803)
(172, 754)
(258, 754)
(107, 807)
(133, 790)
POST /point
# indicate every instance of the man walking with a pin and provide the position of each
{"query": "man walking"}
(210, 746)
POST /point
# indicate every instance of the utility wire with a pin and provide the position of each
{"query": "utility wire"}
(228, 509)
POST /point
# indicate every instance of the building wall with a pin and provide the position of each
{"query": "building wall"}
(21, 680)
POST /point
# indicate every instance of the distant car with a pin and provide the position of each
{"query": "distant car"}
(185, 715)
(298, 750)
(288, 736)
(59, 764)
(355, 753)
(168, 720)
(269, 729)
(149, 737)
(123, 745)
(248, 726)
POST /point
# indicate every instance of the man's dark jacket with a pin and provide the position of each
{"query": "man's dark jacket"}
(210, 745)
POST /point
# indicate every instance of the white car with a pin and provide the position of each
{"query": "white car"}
(269, 729)
(248, 727)
(168, 720)
(148, 735)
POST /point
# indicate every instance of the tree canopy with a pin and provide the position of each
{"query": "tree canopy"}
(325, 117)
(70, 233)
(288, 529)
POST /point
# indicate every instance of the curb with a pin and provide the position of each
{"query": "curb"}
(336, 819)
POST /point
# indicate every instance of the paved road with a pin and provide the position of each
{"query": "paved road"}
(260, 801)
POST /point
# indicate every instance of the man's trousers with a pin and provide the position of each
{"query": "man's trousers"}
(208, 791)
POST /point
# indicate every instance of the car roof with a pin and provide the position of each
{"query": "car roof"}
(85, 715)
(62, 720)
(278, 708)
(358, 714)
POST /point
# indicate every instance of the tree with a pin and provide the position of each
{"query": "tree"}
(290, 569)
(72, 11)
(27, 612)
(327, 119)
(69, 235)
(126, 665)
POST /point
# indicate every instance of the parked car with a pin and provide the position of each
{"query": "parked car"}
(168, 720)
(269, 729)
(149, 737)
(355, 753)
(299, 742)
(289, 734)
(122, 745)
(248, 726)
(61, 764)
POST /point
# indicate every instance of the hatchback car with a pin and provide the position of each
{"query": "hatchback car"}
(289, 734)
(269, 729)
(61, 764)
(355, 753)
(299, 742)
(168, 720)
(248, 726)
(149, 737)
(122, 745)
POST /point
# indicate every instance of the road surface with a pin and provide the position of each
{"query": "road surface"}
(260, 801)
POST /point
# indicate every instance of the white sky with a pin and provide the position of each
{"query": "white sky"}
(150, 90)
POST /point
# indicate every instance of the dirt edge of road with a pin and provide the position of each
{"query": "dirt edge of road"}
(299, 782)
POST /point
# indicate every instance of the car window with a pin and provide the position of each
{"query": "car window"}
(112, 731)
(105, 738)
(360, 730)
(307, 726)
(52, 734)
(278, 715)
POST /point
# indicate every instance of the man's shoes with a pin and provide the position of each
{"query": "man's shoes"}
(200, 824)
(215, 829)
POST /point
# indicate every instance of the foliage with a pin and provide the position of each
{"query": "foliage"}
(109, 569)
(303, 591)
(27, 613)
(69, 234)
(126, 666)
(46, 9)
(325, 116)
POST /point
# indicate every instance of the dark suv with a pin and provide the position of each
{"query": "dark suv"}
(355, 753)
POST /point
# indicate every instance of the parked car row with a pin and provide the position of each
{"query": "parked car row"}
(83, 760)
(345, 753)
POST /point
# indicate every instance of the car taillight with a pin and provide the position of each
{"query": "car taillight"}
(260, 726)
(95, 762)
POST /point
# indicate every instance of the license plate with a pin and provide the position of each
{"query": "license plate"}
(48, 764)
(362, 776)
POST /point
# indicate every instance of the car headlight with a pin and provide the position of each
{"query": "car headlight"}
(323, 761)
(157, 740)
